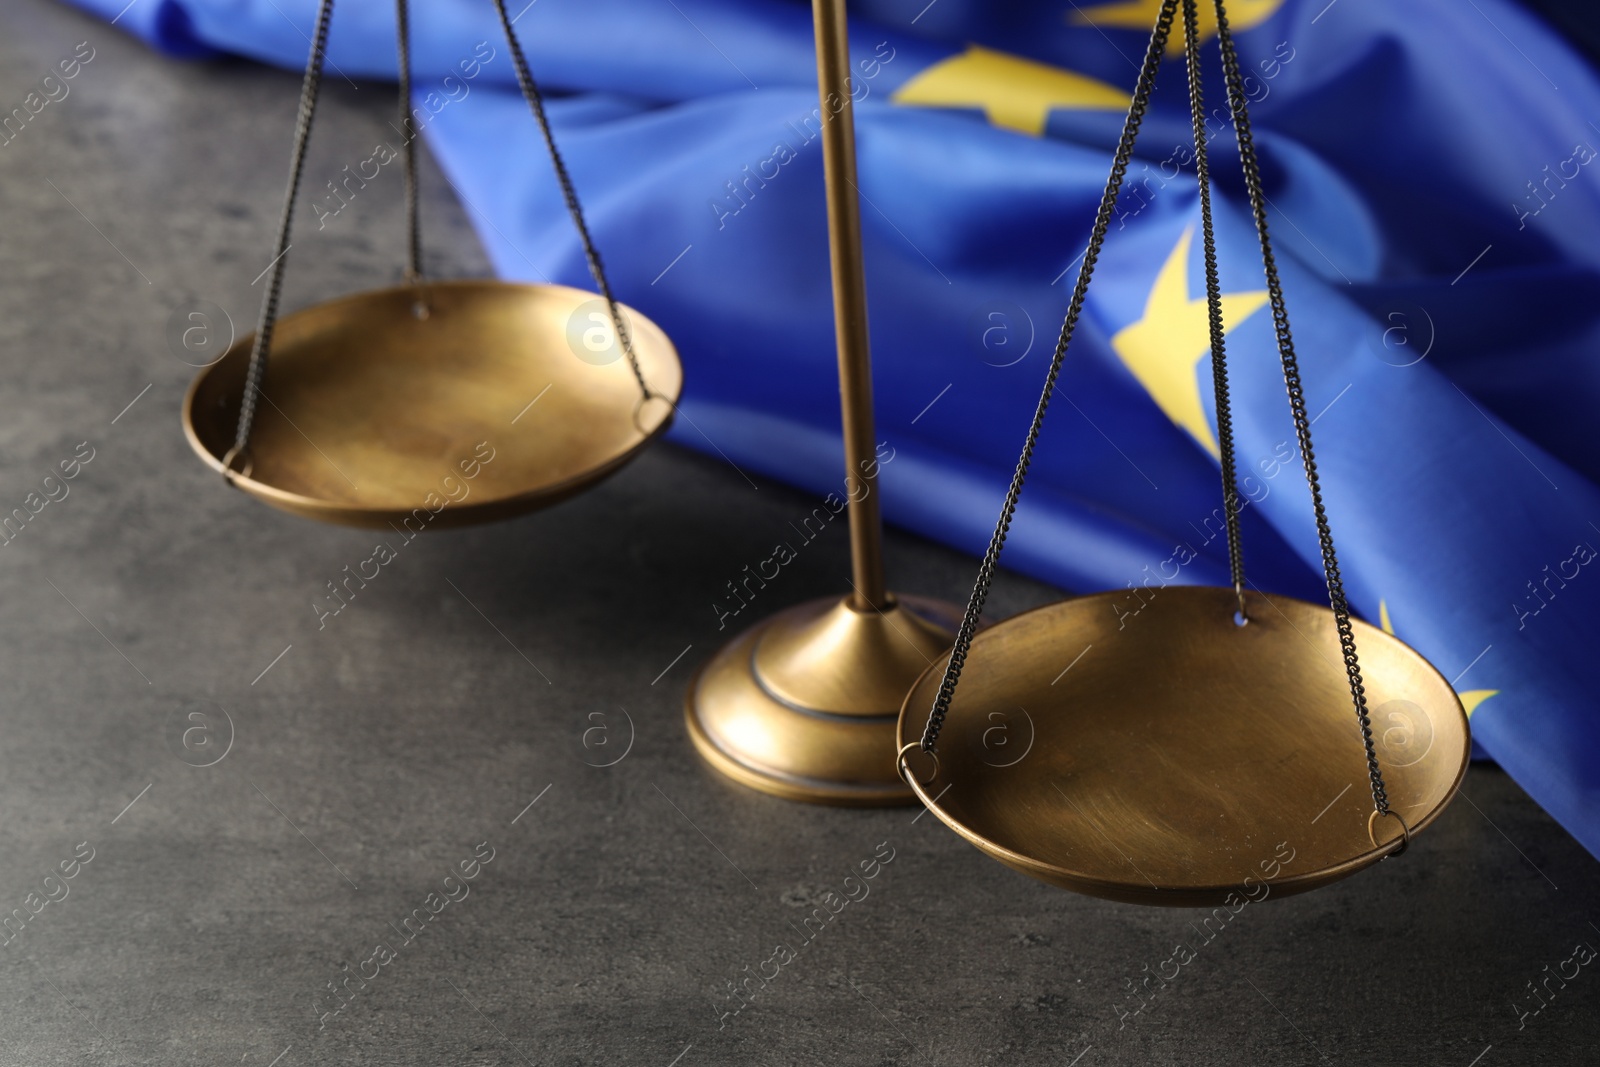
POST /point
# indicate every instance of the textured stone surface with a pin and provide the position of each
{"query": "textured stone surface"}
(381, 750)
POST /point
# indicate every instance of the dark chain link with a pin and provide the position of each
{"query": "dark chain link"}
(269, 301)
(409, 131)
(530, 90)
(1297, 403)
(1219, 356)
(1102, 222)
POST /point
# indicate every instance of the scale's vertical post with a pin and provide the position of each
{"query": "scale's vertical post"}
(804, 704)
(849, 298)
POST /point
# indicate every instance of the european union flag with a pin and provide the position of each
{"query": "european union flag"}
(1430, 170)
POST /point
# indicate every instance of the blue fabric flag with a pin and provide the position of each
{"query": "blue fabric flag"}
(1437, 222)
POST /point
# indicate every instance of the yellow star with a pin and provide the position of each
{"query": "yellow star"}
(1470, 698)
(1013, 92)
(1141, 15)
(1164, 348)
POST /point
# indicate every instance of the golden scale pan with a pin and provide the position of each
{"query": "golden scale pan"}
(1172, 761)
(1204, 750)
(377, 404)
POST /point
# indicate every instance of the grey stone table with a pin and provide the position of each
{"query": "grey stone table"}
(211, 907)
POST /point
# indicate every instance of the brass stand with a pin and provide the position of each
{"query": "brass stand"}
(804, 704)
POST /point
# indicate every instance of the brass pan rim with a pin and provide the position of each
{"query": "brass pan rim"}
(929, 793)
(351, 513)
(1119, 890)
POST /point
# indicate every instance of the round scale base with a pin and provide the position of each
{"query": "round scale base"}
(804, 704)
(1162, 754)
(440, 404)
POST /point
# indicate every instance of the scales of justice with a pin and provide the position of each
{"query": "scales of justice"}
(1172, 767)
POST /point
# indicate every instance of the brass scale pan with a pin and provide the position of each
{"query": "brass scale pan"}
(1178, 756)
(368, 403)
(1170, 763)
(371, 407)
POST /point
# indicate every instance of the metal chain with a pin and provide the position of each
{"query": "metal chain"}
(1291, 371)
(410, 132)
(262, 344)
(1219, 357)
(530, 90)
(269, 301)
(1102, 222)
(1297, 403)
